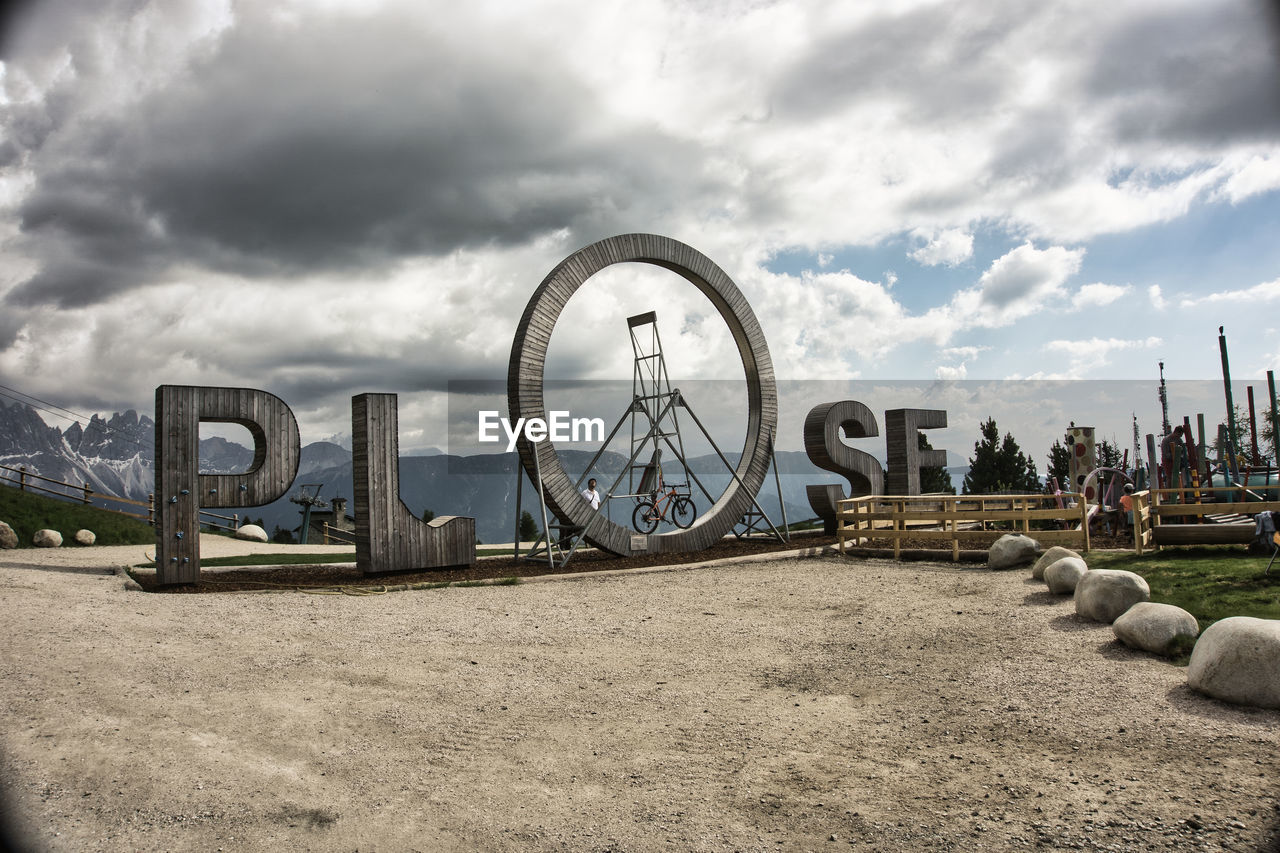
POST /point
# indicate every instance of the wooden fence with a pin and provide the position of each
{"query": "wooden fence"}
(1153, 510)
(26, 481)
(954, 519)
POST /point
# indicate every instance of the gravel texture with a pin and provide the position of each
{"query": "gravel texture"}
(779, 704)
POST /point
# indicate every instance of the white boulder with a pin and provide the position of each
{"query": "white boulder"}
(1048, 558)
(85, 537)
(1011, 550)
(1238, 660)
(1063, 574)
(1103, 594)
(1154, 627)
(8, 539)
(47, 539)
(252, 533)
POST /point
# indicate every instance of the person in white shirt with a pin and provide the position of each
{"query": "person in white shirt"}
(592, 496)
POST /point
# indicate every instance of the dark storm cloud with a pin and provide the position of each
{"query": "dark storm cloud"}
(1193, 74)
(935, 63)
(334, 145)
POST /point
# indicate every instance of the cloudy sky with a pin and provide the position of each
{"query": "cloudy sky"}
(324, 197)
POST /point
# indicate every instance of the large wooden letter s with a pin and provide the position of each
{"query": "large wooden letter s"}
(826, 450)
(180, 487)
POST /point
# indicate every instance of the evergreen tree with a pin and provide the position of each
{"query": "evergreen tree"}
(999, 466)
(528, 527)
(1059, 465)
(1108, 454)
(428, 514)
(933, 479)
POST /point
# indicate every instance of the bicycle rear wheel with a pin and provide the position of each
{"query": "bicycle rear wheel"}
(644, 518)
(684, 512)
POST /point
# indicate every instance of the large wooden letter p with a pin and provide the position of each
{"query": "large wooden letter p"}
(180, 487)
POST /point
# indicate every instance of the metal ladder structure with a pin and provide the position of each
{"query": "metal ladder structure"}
(654, 423)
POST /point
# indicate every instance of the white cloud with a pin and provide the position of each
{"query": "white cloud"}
(1267, 291)
(1157, 297)
(964, 353)
(950, 247)
(1083, 357)
(1098, 294)
(958, 371)
(1260, 173)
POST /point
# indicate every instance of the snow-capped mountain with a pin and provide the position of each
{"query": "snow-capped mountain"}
(112, 455)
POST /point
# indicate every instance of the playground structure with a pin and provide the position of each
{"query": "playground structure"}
(1195, 501)
(568, 521)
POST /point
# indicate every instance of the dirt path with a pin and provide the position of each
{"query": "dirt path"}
(782, 705)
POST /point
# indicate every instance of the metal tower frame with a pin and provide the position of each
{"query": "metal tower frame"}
(654, 400)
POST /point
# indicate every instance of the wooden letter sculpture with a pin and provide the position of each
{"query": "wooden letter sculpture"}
(389, 538)
(905, 456)
(825, 449)
(525, 398)
(180, 487)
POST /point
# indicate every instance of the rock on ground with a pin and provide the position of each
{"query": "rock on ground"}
(1154, 627)
(8, 539)
(1063, 574)
(1238, 660)
(1048, 558)
(251, 533)
(47, 539)
(1102, 595)
(1012, 550)
(85, 537)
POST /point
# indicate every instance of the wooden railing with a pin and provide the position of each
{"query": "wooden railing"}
(1152, 509)
(336, 535)
(956, 519)
(27, 481)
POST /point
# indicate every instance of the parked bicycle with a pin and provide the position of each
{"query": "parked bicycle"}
(668, 503)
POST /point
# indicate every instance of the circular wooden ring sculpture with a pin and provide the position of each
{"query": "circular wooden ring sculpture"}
(525, 397)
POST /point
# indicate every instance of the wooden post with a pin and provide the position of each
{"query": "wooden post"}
(87, 493)
(151, 508)
(22, 478)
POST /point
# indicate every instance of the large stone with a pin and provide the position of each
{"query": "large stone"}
(252, 533)
(1238, 660)
(8, 539)
(1103, 594)
(1155, 627)
(1012, 550)
(85, 537)
(47, 539)
(1048, 558)
(1063, 574)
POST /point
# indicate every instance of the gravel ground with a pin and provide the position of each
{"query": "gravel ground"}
(781, 704)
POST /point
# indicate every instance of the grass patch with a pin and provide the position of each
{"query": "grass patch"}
(26, 513)
(1209, 582)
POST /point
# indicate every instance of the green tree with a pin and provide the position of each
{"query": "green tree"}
(1267, 435)
(1108, 454)
(934, 479)
(1059, 466)
(1241, 435)
(428, 514)
(999, 466)
(528, 527)
(282, 536)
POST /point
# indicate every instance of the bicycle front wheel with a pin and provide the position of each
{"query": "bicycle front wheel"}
(644, 518)
(684, 512)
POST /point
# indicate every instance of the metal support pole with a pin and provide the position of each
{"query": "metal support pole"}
(1231, 408)
(515, 547)
(1275, 416)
